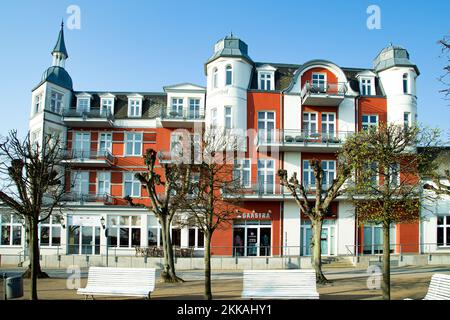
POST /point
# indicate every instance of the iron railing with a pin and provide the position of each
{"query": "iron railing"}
(324, 88)
(185, 114)
(93, 154)
(93, 113)
(302, 137)
(73, 196)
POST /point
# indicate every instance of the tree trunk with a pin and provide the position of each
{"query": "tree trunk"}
(168, 273)
(386, 284)
(208, 291)
(317, 251)
(34, 258)
(33, 248)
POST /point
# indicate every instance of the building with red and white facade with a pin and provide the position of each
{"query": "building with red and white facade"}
(299, 111)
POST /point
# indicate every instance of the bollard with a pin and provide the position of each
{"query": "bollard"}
(13, 287)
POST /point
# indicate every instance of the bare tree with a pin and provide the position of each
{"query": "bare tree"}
(445, 45)
(165, 202)
(216, 192)
(440, 172)
(33, 189)
(322, 196)
(387, 186)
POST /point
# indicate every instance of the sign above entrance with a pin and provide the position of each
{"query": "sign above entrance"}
(92, 221)
(256, 215)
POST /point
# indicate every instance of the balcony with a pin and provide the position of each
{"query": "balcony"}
(303, 140)
(88, 158)
(91, 198)
(88, 119)
(183, 119)
(324, 94)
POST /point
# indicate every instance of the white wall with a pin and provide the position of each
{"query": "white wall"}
(291, 223)
(292, 112)
(345, 228)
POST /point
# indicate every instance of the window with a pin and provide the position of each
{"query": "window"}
(405, 83)
(37, 103)
(177, 107)
(83, 105)
(133, 144)
(176, 144)
(10, 230)
(80, 184)
(105, 143)
(154, 232)
(241, 172)
(34, 139)
(406, 120)
(229, 76)
(106, 107)
(266, 125)
(369, 121)
(228, 118)
(266, 176)
(265, 81)
(194, 108)
(309, 181)
(132, 186)
(56, 102)
(319, 81)
(124, 231)
(50, 231)
(328, 124)
(81, 145)
(366, 87)
(329, 172)
(309, 123)
(394, 174)
(443, 231)
(213, 118)
(371, 173)
(176, 236)
(103, 182)
(196, 238)
(134, 107)
(215, 78)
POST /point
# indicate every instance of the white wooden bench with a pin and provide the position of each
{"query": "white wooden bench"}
(439, 288)
(280, 284)
(133, 282)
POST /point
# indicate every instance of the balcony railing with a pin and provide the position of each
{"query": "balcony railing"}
(94, 154)
(302, 137)
(330, 88)
(73, 196)
(170, 114)
(91, 114)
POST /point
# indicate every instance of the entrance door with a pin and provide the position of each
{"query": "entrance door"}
(84, 240)
(252, 241)
(327, 243)
(264, 241)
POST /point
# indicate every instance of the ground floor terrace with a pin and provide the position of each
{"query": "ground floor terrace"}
(259, 229)
(348, 284)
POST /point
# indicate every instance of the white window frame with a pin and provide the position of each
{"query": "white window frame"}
(80, 182)
(51, 223)
(263, 133)
(266, 171)
(81, 108)
(213, 118)
(307, 123)
(228, 117)
(215, 78)
(107, 141)
(133, 138)
(129, 178)
(446, 228)
(369, 123)
(37, 103)
(319, 83)
(130, 226)
(366, 85)
(81, 144)
(265, 80)
(11, 224)
(407, 121)
(396, 171)
(196, 237)
(241, 166)
(177, 105)
(103, 178)
(307, 171)
(105, 104)
(194, 108)
(229, 69)
(405, 83)
(56, 104)
(134, 107)
(327, 123)
(330, 174)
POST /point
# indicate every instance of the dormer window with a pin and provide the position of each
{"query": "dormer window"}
(229, 76)
(83, 102)
(215, 78)
(366, 86)
(319, 81)
(266, 77)
(135, 106)
(107, 104)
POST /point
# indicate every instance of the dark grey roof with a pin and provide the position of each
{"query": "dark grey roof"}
(230, 46)
(152, 103)
(393, 56)
(60, 44)
(58, 76)
(283, 74)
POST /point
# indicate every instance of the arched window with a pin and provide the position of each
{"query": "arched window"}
(215, 78)
(229, 75)
(405, 83)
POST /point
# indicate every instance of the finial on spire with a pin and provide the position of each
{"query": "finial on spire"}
(62, 23)
(231, 33)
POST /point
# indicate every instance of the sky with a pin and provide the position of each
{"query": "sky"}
(145, 45)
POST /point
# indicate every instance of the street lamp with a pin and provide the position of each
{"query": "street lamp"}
(102, 221)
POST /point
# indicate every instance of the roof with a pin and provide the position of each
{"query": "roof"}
(60, 44)
(58, 76)
(230, 46)
(392, 56)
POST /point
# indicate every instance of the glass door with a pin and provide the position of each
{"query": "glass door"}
(264, 241)
(252, 241)
(266, 176)
(266, 126)
(84, 240)
(328, 125)
(104, 144)
(82, 145)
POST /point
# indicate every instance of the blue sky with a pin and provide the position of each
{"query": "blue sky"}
(145, 45)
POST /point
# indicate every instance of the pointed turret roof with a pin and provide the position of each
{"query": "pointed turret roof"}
(60, 44)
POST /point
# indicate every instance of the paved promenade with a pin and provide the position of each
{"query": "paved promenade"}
(348, 284)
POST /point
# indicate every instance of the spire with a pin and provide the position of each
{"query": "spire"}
(60, 46)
